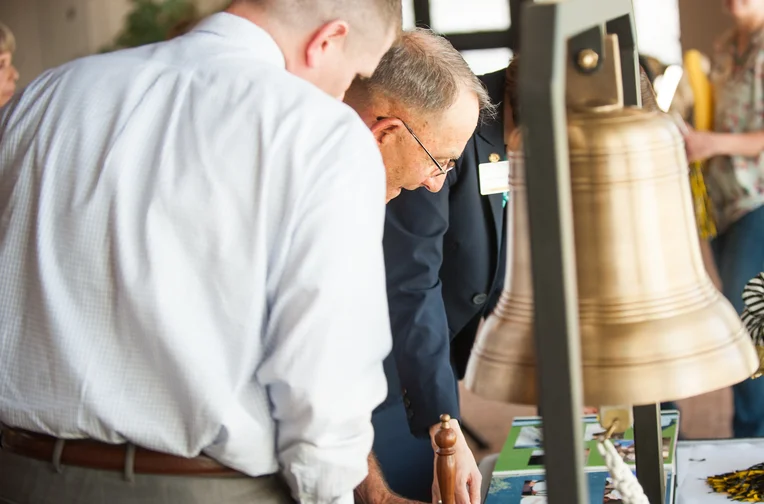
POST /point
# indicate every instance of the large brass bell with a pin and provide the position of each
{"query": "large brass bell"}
(653, 327)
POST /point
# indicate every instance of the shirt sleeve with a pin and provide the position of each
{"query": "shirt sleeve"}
(416, 224)
(329, 329)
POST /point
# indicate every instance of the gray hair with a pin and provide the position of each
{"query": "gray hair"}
(7, 40)
(424, 72)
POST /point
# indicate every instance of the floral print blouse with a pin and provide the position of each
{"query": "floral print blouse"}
(736, 183)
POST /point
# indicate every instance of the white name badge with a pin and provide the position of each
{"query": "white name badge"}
(494, 177)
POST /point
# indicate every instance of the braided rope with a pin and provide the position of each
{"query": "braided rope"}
(623, 479)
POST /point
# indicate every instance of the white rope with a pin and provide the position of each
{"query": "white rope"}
(623, 479)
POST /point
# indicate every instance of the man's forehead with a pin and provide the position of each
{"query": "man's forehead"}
(450, 145)
(455, 128)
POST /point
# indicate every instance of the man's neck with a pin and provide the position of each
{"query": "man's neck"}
(259, 16)
(249, 12)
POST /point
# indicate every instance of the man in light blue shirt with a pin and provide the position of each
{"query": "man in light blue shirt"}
(190, 248)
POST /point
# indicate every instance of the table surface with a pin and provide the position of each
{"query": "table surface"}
(698, 459)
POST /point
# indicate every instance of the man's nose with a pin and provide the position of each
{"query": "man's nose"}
(14, 73)
(434, 184)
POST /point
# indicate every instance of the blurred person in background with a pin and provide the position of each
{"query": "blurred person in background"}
(735, 175)
(193, 305)
(8, 73)
(441, 250)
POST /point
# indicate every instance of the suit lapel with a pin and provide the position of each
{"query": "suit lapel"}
(490, 140)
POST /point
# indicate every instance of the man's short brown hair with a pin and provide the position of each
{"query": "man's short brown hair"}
(7, 40)
(363, 15)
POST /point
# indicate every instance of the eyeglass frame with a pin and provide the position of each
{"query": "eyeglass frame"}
(443, 171)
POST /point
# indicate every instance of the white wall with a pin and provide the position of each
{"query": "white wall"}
(702, 23)
(52, 32)
(667, 28)
(658, 32)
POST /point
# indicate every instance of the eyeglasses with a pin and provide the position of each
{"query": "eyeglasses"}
(442, 169)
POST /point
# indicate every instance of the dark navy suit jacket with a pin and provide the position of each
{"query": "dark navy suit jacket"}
(445, 269)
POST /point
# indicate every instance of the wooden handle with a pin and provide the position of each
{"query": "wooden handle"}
(445, 439)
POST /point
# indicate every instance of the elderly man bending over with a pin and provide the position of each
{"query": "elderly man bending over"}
(422, 104)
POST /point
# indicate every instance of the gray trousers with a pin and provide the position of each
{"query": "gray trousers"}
(28, 481)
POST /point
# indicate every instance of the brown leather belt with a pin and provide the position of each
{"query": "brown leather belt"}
(108, 457)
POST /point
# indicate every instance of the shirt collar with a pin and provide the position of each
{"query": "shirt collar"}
(243, 33)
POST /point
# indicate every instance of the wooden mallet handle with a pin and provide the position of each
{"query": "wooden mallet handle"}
(445, 439)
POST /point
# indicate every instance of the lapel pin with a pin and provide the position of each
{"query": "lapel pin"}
(493, 157)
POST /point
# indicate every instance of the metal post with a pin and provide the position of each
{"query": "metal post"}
(553, 261)
(624, 28)
(648, 435)
(515, 24)
(422, 13)
(648, 446)
(547, 28)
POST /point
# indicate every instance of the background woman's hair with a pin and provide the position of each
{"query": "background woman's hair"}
(7, 40)
(511, 88)
(649, 99)
(647, 66)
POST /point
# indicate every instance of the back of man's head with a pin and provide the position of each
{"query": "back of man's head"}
(363, 15)
(327, 42)
(423, 73)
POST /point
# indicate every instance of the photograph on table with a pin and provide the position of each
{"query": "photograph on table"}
(666, 447)
(626, 449)
(611, 495)
(668, 420)
(534, 492)
(537, 458)
(530, 437)
(595, 432)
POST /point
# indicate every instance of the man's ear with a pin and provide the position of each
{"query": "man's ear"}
(384, 129)
(331, 36)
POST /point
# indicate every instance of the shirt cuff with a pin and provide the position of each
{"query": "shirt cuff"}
(345, 499)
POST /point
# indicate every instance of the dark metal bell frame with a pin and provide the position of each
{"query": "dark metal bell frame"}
(550, 31)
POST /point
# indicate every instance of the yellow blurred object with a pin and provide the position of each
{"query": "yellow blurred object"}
(740, 486)
(703, 118)
(702, 90)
